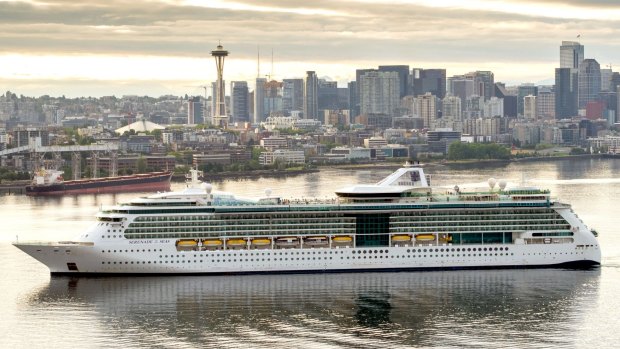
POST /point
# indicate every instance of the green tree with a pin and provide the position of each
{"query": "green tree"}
(141, 165)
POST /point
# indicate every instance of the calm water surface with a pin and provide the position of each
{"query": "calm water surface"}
(476, 309)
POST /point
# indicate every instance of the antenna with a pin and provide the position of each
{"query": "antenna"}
(257, 61)
(271, 63)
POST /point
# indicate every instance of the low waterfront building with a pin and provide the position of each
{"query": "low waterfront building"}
(609, 143)
(287, 156)
(272, 143)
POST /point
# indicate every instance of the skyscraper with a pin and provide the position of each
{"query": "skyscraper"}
(379, 93)
(565, 93)
(259, 101)
(571, 54)
(327, 95)
(485, 84)
(428, 80)
(589, 81)
(292, 95)
(311, 86)
(403, 76)
(355, 107)
(273, 98)
(462, 87)
(239, 101)
(606, 75)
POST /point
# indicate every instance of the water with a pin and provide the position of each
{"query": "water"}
(498, 308)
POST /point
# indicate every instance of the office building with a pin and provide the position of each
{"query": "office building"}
(589, 82)
(259, 101)
(327, 95)
(571, 54)
(565, 93)
(239, 104)
(509, 100)
(311, 86)
(428, 80)
(292, 96)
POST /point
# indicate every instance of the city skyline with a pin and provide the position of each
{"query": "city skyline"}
(58, 47)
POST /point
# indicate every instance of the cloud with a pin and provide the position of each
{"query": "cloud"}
(304, 35)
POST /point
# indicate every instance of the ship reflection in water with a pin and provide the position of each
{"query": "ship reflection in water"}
(518, 308)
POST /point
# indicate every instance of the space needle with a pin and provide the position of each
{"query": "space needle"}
(220, 118)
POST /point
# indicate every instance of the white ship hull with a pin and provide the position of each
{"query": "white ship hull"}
(91, 259)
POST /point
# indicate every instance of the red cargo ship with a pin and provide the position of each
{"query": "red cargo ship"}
(51, 183)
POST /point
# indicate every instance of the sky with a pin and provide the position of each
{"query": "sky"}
(156, 47)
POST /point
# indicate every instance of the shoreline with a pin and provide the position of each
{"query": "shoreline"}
(18, 187)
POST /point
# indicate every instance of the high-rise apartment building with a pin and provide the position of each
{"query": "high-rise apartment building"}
(565, 93)
(239, 104)
(195, 115)
(379, 93)
(403, 77)
(427, 108)
(529, 107)
(356, 100)
(523, 91)
(311, 86)
(451, 109)
(494, 107)
(545, 103)
(571, 54)
(589, 81)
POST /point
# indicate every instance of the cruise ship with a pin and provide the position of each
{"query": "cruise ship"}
(400, 223)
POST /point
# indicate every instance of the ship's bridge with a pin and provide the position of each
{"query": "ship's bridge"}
(405, 182)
